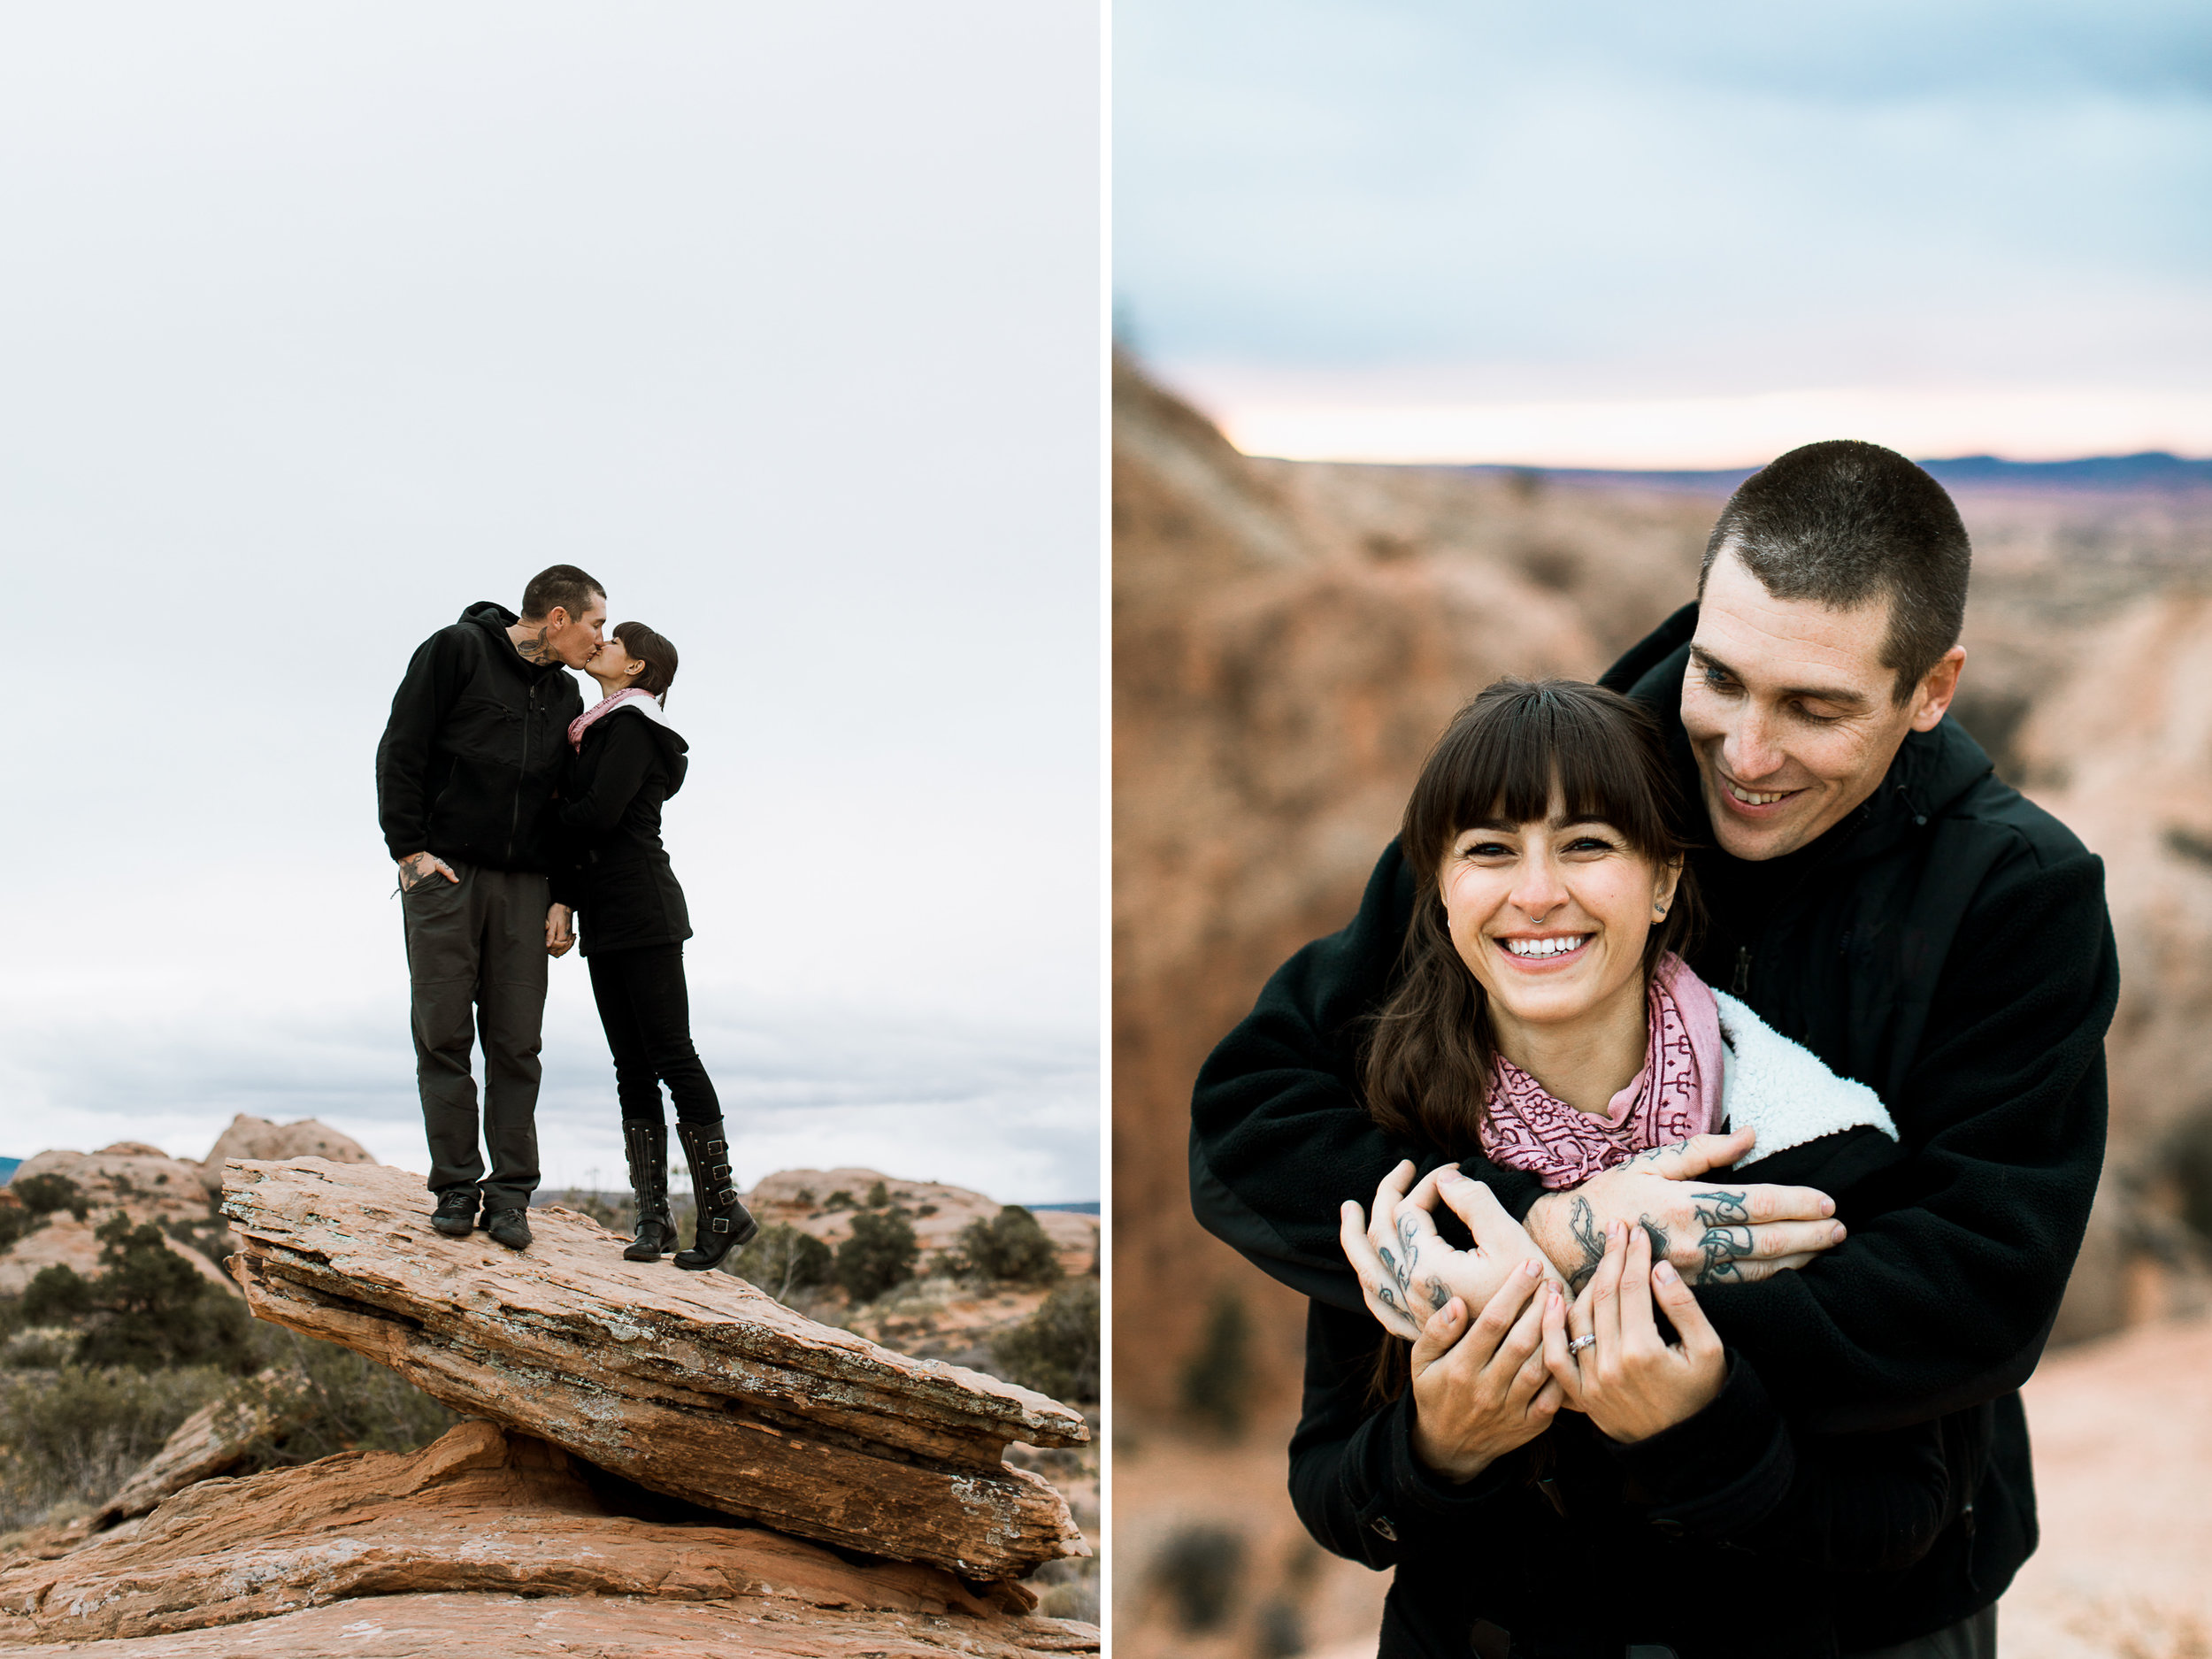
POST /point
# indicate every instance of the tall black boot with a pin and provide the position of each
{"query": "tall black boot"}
(724, 1222)
(646, 1145)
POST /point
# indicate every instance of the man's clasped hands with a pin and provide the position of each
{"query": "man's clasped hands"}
(1565, 1303)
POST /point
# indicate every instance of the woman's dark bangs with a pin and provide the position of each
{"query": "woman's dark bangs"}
(1603, 775)
(1514, 750)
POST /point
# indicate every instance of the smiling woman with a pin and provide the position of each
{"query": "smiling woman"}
(1549, 816)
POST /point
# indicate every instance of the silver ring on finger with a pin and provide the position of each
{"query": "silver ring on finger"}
(1581, 1342)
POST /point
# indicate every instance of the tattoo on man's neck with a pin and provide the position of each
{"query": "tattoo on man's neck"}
(534, 649)
(1582, 1223)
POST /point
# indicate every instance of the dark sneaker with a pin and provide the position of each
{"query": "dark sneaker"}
(509, 1227)
(455, 1214)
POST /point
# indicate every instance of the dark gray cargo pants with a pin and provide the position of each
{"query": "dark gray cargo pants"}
(476, 960)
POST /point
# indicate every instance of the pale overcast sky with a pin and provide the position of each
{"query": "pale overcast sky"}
(320, 324)
(1366, 222)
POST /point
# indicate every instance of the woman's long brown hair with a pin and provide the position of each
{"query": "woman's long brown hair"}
(1522, 744)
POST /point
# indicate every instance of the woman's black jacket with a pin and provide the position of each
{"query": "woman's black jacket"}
(624, 891)
(1948, 945)
(473, 749)
(1574, 1545)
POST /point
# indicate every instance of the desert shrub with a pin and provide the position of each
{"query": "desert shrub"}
(927, 1209)
(1011, 1246)
(15, 1222)
(43, 1194)
(321, 1398)
(841, 1200)
(37, 1348)
(210, 1238)
(69, 1438)
(147, 1307)
(2188, 1155)
(1282, 1632)
(785, 1263)
(878, 1196)
(1067, 1588)
(1201, 1567)
(882, 1253)
(1056, 1349)
(1216, 1380)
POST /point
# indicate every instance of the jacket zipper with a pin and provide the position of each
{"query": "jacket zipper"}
(514, 820)
(1740, 986)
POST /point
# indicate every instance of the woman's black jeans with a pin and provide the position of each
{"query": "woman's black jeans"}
(647, 1011)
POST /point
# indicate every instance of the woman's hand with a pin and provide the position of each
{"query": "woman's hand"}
(1407, 1273)
(1478, 1394)
(1632, 1382)
(1384, 1277)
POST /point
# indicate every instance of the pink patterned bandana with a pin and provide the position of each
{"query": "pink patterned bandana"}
(581, 723)
(1675, 1096)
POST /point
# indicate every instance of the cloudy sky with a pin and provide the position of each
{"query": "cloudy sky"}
(1616, 234)
(318, 324)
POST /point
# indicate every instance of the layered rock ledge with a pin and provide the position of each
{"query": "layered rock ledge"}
(444, 1538)
(692, 1385)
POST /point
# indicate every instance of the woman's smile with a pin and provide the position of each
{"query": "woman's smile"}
(1533, 953)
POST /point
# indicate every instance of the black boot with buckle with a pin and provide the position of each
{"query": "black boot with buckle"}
(723, 1221)
(646, 1145)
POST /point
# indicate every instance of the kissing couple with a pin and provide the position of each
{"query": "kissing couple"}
(518, 818)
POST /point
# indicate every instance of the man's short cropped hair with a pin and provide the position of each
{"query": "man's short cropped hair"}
(1844, 522)
(562, 585)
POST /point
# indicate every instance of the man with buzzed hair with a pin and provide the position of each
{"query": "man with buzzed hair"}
(465, 781)
(1876, 895)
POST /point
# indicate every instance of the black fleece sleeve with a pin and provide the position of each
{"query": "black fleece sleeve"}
(624, 751)
(1353, 1479)
(1959, 1253)
(1275, 1103)
(1738, 1473)
(420, 708)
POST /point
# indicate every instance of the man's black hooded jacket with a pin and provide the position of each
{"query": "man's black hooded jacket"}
(1948, 945)
(474, 748)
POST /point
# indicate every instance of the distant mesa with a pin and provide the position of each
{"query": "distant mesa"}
(822, 1203)
(2154, 472)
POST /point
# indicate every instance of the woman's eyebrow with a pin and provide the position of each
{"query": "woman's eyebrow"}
(1580, 818)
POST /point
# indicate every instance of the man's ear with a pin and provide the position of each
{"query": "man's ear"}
(1933, 696)
(556, 617)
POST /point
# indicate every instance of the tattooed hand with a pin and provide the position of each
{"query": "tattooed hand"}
(417, 868)
(1407, 1273)
(1713, 1232)
(1631, 1381)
